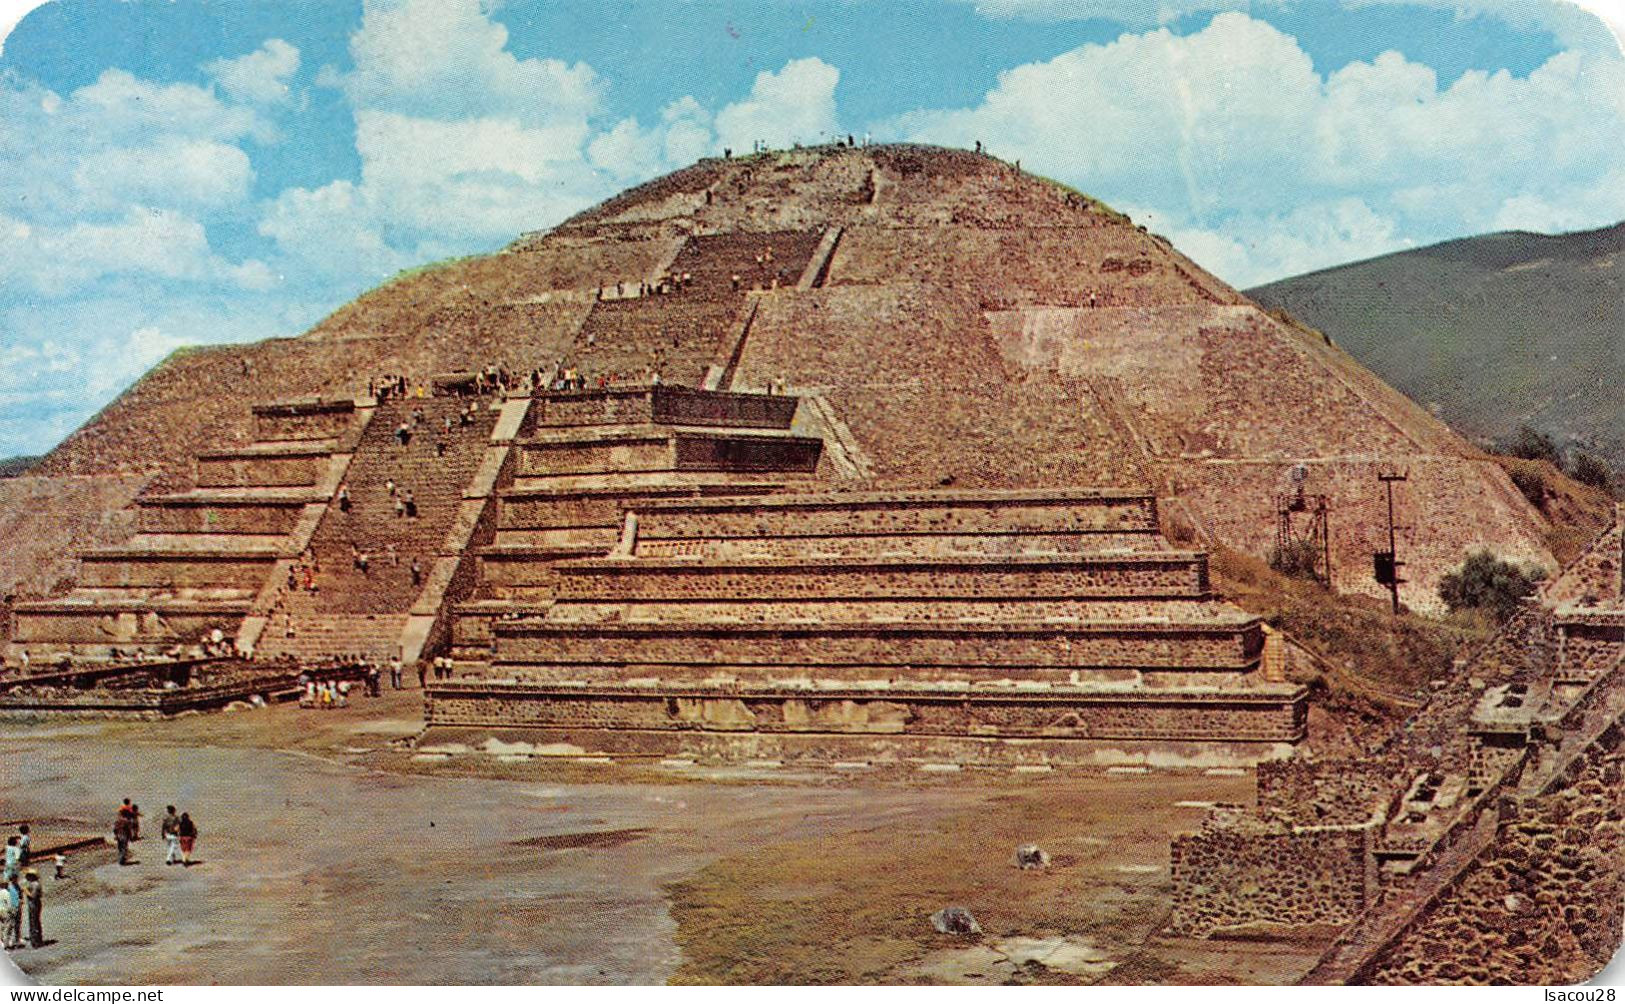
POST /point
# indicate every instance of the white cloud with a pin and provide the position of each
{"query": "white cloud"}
(332, 232)
(174, 171)
(463, 145)
(796, 104)
(120, 106)
(447, 59)
(1234, 143)
(261, 76)
(159, 243)
(629, 151)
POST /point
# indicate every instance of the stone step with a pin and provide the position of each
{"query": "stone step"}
(1168, 574)
(1025, 510)
(572, 453)
(663, 404)
(907, 647)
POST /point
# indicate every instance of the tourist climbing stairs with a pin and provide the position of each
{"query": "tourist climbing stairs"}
(352, 591)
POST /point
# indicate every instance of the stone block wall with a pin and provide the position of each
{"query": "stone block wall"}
(246, 471)
(1176, 574)
(303, 420)
(1013, 649)
(1328, 793)
(700, 452)
(673, 405)
(256, 518)
(621, 453)
(1590, 649)
(111, 626)
(173, 572)
(918, 544)
(1263, 874)
(1543, 905)
(1263, 718)
(936, 513)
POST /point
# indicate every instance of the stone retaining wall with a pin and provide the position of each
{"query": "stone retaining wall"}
(1174, 575)
(1543, 906)
(1017, 646)
(1242, 874)
(63, 626)
(223, 471)
(303, 420)
(248, 517)
(1257, 717)
(172, 572)
(991, 514)
(1321, 793)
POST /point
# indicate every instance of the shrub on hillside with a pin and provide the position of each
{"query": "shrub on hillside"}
(1487, 583)
(1590, 470)
(1299, 559)
(1532, 444)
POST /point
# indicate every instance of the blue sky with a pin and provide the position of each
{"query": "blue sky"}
(176, 173)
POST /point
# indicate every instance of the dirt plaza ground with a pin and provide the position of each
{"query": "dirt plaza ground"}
(328, 854)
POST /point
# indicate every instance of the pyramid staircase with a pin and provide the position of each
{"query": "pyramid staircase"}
(202, 556)
(384, 611)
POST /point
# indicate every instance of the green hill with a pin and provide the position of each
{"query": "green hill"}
(1489, 332)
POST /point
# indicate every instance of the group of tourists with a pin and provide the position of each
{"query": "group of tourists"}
(178, 831)
(23, 894)
(323, 694)
(389, 385)
(441, 664)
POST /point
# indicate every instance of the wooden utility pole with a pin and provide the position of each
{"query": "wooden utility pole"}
(1388, 564)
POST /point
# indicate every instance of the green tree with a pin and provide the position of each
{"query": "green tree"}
(1590, 470)
(1532, 444)
(1485, 582)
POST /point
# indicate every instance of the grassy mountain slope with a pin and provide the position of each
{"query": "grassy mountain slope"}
(1491, 332)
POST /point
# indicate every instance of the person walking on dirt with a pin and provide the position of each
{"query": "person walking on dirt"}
(187, 831)
(172, 840)
(395, 671)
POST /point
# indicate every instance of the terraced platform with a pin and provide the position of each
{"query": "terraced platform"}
(1050, 625)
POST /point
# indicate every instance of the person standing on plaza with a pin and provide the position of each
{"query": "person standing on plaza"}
(9, 909)
(34, 899)
(25, 841)
(395, 671)
(121, 832)
(13, 931)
